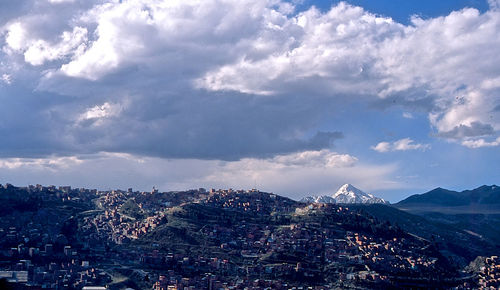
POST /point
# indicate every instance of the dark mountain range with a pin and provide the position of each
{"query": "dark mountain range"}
(484, 195)
(455, 215)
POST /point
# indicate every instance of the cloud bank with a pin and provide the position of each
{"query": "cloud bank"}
(292, 174)
(235, 79)
(245, 82)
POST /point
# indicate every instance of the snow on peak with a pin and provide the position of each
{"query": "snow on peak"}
(347, 193)
(318, 199)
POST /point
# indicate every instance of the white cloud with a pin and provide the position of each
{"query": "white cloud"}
(322, 158)
(408, 115)
(166, 32)
(105, 110)
(479, 143)
(382, 147)
(16, 36)
(6, 78)
(37, 51)
(317, 50)
(408, 144)
(100, 115)
(52, 163)
(490, 84)
(72, 43)
(400, 145)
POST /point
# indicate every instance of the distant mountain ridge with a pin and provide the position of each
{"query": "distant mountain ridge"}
(483, 195)
(347, 193)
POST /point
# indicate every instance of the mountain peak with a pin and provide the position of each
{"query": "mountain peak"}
(348, 187)
(347, 193)
(351, 191)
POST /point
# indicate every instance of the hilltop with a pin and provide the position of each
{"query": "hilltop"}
(483, 195)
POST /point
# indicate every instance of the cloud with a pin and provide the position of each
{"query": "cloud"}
(400, 145)
(315, 54)
(407, 144)
(293, 175)
(322, 158)
(494, 4)
(16, 36)
(475, 129)
(51, 163)
(6, 78)
(479, 143)
(412, 66)
(382, 147)
(149, 53)
(71, 43)
(233, 79)
(98, 113)
(407, 115)
(171, 33)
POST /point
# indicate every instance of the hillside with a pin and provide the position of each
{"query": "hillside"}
(453, 235)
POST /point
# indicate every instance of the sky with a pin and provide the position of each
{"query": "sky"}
(291, 97)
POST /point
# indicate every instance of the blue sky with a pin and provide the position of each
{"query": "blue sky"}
(402, 11)
(395, 97)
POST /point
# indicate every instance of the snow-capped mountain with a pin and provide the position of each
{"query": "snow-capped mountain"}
(347, 193)
(318, 199)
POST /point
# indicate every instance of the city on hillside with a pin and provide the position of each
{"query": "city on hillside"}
(75, 238)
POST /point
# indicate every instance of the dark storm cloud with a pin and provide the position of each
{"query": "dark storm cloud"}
(204, 126)
(154, 122)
